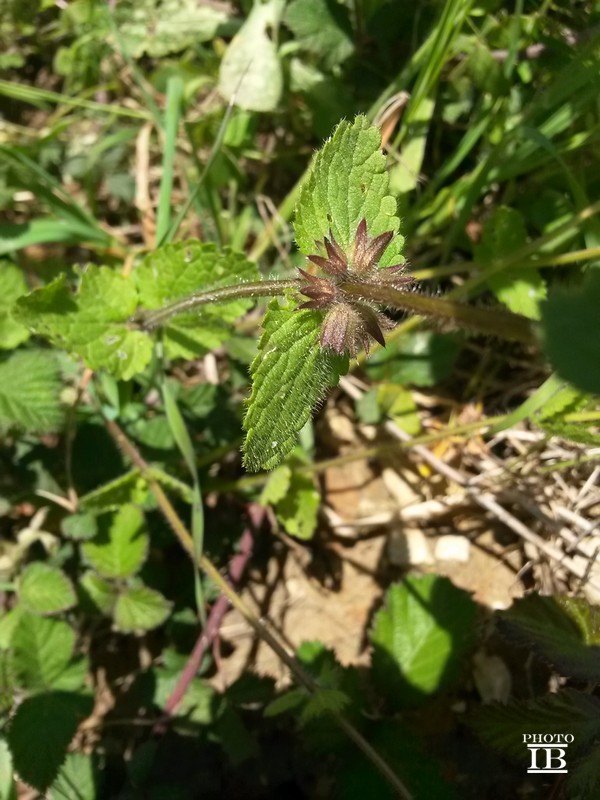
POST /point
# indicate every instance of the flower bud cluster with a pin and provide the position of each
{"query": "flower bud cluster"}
(350, 323)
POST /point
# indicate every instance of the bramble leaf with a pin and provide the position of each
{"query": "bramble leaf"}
(140, 609)
(564, 631)
(77, 779)
(44, 589)
(568, 711)
(30, 391)
(8, 788)
(91, 323)
(348, 182)
(41, 731)
(42, 650)
(571, 332)
(420, 638)
(290, 376)
(79, 526)
(12, 286)
(321, 27)
(178, 270)
(121, 545)
(100, 594)
(520, 289)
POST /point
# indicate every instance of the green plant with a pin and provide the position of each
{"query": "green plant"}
(128, 337)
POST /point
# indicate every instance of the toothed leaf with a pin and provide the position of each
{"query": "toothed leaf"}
(348, 181)
(178, 270)
(290, 376)
(30, 391)
(41, 732)
(91, 323)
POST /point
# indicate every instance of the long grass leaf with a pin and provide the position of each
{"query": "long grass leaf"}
(171, 127)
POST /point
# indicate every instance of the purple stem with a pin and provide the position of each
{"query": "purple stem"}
(237, 565)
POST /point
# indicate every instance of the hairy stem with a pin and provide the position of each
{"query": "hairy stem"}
(491, 321)
(149, 320)
(494, 321)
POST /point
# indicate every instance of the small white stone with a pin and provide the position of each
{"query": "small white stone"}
(452, 548)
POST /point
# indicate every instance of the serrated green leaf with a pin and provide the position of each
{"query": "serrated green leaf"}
(277, 486)
(127, 488)
(323, 702)
(79, 527)
(289, 701)
(420, 638)
(521, 290)
(42, 650)
(100, 593)
(297, 509)
(290, 376)
(30, 391)
(77, 779)
(41, 731)
(566, 399)
(584, 775)
(564, 631)
(176, 25)
(131, 488)
(91, 323)
(44, 589)
(321, 27)
(571, 332)
(250, 72)
(8, 623)
(178, 270)
(121, 545)
(348, 182)
(569, 711)
(12, 286)
(140, 609)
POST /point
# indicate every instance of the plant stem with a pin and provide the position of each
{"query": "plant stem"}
(492, 321)
(206, 565)
(211, 630)
(149, 320)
